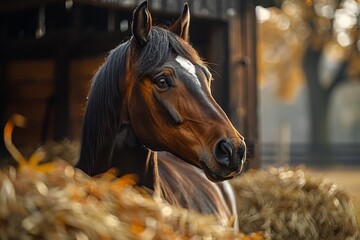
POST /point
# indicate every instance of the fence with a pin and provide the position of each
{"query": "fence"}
(295, 154)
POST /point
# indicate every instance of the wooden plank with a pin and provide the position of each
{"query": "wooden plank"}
(3, 103)
(86, 66)
(32, 110)
(39, 70)
(218, 57)
(29, 85)
(249, 30)
(213, 9)
(30, 90)
(16, 5)
(243, 86)
(236, 107)
(61, 105)
(28, 136)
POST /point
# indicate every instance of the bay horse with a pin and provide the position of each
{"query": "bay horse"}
(150, 112)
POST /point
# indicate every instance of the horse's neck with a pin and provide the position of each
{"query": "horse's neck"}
(130, 157)
(176, 181)
(183, 185)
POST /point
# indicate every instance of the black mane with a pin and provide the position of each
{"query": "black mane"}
(102, 116)
(102, 112)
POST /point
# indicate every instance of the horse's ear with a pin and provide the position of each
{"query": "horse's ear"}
(141, 24)
(181, 26)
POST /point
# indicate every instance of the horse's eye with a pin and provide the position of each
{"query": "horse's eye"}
(162, 83)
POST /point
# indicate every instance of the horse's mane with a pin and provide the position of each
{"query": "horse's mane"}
(102, 117)
(102, 112)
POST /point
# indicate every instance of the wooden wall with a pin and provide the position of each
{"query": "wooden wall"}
(30, 83)
(243, 83)
(30, 88)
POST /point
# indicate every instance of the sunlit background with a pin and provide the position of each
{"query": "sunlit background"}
(309, 88)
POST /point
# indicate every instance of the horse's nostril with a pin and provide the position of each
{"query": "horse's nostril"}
(225, 148)
(223, 153)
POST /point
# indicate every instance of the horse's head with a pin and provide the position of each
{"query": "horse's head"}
(169, 102)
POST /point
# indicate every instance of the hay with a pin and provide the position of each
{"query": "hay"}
(291, 204)
(61, 202)
(65, 150)
(54, 200)
(357, 210)
(284, 203)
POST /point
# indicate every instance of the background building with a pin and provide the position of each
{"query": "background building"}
(50, 49)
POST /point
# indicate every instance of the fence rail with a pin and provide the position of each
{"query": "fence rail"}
(294, 154)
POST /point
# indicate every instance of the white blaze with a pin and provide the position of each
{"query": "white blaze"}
(188, 66)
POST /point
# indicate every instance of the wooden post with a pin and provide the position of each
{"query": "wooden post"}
(243, 87)
(62, 119)
(3, 102)
(218, 53)
(62, 84)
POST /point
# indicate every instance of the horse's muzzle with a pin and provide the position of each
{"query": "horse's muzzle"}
(229, 159)
(228, 155)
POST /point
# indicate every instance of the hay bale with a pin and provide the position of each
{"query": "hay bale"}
(57, 201)
(291, 204)
(65, 150)
(54, 200)
(356, 201)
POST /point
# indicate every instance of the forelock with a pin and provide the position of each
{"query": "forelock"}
(158, 49)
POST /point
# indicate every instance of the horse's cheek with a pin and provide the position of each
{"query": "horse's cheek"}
(139, 107)
(137, 102)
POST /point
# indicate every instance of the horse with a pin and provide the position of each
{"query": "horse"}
(150, 112)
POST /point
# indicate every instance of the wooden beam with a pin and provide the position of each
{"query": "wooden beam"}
(243, 86)
(219, 64)
(85, 43)
(27, 48)
(3, 103)
(61, 95)
(7, 6)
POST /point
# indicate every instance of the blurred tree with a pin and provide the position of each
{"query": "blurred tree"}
(313, 40)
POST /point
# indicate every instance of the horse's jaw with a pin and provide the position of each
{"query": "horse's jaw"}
(213, 176)
(208, 174)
